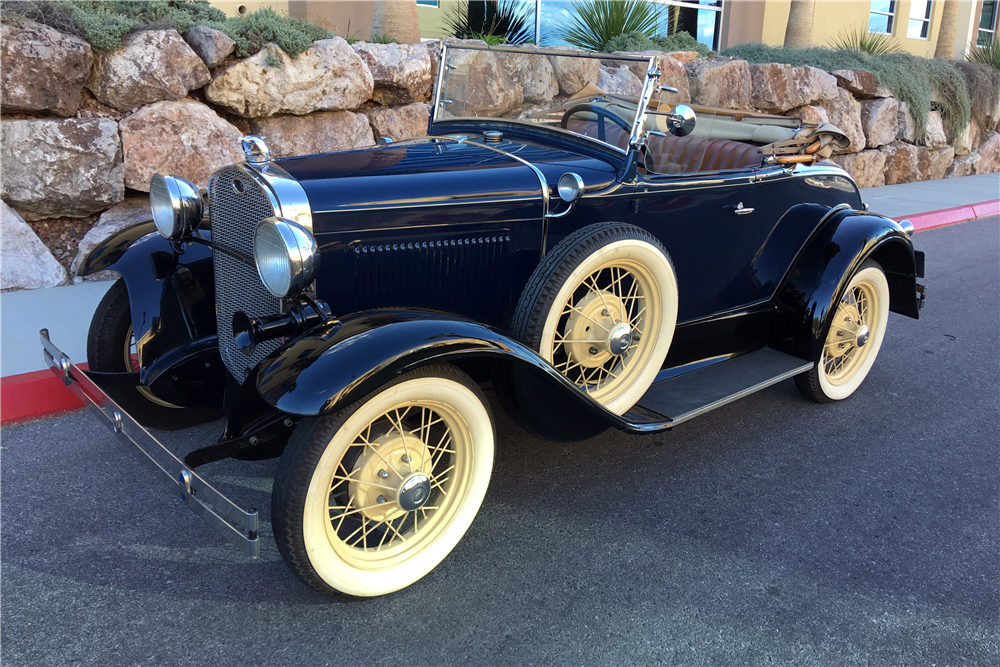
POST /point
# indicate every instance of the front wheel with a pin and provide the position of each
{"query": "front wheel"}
(853, 338)
(368, 500)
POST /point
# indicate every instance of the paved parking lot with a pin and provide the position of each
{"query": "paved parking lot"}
(772, 531)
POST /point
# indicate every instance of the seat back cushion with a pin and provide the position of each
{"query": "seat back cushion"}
(690, 154)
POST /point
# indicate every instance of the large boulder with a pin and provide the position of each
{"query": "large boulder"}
(901, 162)
(989, 154)
(152, 65)
(129, 213)
(672, 72)
(70, 167)
(776, 88)
(934, 136)
(810, 113)
(533, 73)
(906, 124)
(322, 132)
(720, 82)
(937, 163)
(866, 167)
(574, 73)
(856, 81)
(619, 81)
(399, 123)
(212, 46)
(330, 76)
(968, 140)
(402, 72)
(963, 166)
(185, 138)
(483, 89)
(879, 121)
(41, 69)
(845, 113)
(25, 262)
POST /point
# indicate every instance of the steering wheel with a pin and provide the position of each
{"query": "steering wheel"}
(601, 114)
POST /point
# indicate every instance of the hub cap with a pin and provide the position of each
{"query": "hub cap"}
(845, 348)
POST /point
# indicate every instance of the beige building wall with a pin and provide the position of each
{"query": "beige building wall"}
(353, 18)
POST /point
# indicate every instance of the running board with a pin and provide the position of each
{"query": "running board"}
(691, 394)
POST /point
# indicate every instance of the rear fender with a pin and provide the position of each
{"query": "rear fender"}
(171, 290)
(809, 291)
(338, 363)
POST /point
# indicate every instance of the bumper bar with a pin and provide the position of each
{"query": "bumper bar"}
(228, 519)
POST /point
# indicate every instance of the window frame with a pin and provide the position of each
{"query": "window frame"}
(924, 23)
(430, 4)
(992, 32)
(890, 15)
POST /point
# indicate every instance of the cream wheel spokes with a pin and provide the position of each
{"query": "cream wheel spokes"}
(599, 341)
(398, 483)
(846, 345)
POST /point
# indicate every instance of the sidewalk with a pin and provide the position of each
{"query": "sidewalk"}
(30, 391)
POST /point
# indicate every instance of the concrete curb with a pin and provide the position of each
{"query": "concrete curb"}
(40, 395)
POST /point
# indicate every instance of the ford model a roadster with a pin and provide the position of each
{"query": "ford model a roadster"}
(600, 260)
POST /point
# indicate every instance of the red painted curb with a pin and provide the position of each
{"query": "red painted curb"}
(29, 397)
(950, 216)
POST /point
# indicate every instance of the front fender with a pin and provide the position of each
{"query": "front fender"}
(171, 290)
(338, 363)
(810, 289)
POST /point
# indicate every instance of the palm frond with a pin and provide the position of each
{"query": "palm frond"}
(596, 21)
(987, 55)
(507, 19)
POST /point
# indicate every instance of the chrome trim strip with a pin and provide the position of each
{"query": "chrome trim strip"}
(438, 84)
(287, 194)
(225, 517)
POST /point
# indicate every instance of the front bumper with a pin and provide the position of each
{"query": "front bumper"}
(229, 520)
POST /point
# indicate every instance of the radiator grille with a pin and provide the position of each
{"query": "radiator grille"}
(235, 215)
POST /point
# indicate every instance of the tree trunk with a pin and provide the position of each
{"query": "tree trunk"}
(397, 19)
(946, 33)
(798, 33)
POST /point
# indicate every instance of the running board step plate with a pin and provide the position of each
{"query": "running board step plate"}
(692, 394)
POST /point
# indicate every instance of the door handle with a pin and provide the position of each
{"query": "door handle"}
(739, 210)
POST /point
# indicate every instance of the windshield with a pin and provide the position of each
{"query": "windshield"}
(595, 97)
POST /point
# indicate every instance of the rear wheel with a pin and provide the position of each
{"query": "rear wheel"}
(111, 349)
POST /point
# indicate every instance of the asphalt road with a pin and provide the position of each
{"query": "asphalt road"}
(771, 531)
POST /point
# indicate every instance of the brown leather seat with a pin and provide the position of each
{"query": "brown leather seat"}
(679, 155)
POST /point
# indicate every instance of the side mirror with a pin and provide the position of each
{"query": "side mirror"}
(682, 121)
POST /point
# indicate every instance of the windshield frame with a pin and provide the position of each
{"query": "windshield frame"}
(648, 88)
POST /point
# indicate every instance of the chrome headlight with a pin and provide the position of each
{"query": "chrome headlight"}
(176, 205)
(286, 256)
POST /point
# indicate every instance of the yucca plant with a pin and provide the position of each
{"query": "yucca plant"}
(597, 21)
(872, 43)
(508, 20)
(987, 55)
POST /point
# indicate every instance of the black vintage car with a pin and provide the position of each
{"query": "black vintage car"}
(599, 259)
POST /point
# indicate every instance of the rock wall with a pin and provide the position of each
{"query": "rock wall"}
(91, 128)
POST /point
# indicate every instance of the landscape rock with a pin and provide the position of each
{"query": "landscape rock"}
(923, 163)
(866, 167)
(41, 69)
(401, 72)
(969, 140)
(683, 57)
(486, 90)
(900, 163)
(25, 262)
(810, 113)
(906, 124)
(534, 73)
(720, 82)
(989, 154)
(776, 88)
(186, 138)
(129, 213)
(963, 166)
(152, 65)
(673, 73)
(330, 76)
(937, 163)
(70, 167)
(879, 121)
(934, 136)
(619, 81)
(857, 81)
(322, 132)
(845, 113)
(399, 123)
(574, 73)
(212, 46)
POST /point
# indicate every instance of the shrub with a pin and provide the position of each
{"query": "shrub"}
(987, 55)
(491, 40)
(637, 41)
(491, 20)
(872, 43)
(911, 79)
(598, 21)
(983, 83)
(383, 38)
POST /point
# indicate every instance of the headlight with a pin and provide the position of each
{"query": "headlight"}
(286, 256)
(176, 205)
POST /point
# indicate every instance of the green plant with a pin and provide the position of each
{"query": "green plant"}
(987, 55)
(382, 38)
(595, 22)
(478, 19)
(911, 79)
(637, 41)
(872, 43)
(983, 84)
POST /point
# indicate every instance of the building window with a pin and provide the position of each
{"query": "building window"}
(428, 3)
(920, 19)
(881, 16)
(699, 18)
(987, 23)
